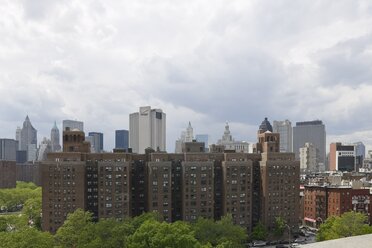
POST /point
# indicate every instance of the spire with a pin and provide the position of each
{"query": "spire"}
(55, 125)
(27, 119)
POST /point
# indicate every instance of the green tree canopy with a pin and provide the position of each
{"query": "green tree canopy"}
(156, 234)
(279, 226)
(26, 238)
(76, 224)
(216, 233)
(348, 224)
(259, 232)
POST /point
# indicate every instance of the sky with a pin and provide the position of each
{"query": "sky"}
(201, 61)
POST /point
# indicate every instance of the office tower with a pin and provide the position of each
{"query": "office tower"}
(230, 144)
(54, 138)
(309, 158)
(18, 137)
(97, 141)
(122, 139)
(28, 135)
(203, 138)
(147, 130)
(342, 157)
(284, 128)
(32, 152)
(280, 184)
(186, 136)
(8, 149)
(360, 154)
(71, 125)
(310, 132)
(7, 174)
(44, 148)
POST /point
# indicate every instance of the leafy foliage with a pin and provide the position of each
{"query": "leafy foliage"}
(259, 232)
(26, 238)
(348, 224)
(13, 199)
(279, 226)
(219, 232)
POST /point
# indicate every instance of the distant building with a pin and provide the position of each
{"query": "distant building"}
(97, 141)
(54, 138)
(186, 136)
(44, 148)
(8, 149)
(122, 139)
(7, 174)
(147, 129)
(230, 144)
(203, 138)
(321, 202)
(18, 137)
(71, 124)
(284, 128)
(360, 154)
(342, 157)
(309, 158)
(28, 140)
(310, 132)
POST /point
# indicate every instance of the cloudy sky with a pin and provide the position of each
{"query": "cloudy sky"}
(207, 62)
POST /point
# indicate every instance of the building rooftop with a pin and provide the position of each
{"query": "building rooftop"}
(362, 241)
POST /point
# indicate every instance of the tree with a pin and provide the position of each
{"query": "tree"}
(156, 234)
(76, 224)
(32, 212)
(216, 233)
(259, 232)
(348, 224)
(26, 238)
(279, 226)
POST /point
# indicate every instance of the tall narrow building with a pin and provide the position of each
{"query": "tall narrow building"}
(54, 138)
(122, 139)
(310, 132)
(97, 141)
(147, 130)
(28, 134)
(284, 128)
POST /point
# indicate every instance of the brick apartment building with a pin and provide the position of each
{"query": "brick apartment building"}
(321, 202)
(186, 186)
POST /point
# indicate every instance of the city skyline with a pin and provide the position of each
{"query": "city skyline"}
(98, 62)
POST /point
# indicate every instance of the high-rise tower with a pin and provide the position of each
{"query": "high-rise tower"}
(284, 128)
(29, 139)
(310, 132)
(147, 129)
(54, 138)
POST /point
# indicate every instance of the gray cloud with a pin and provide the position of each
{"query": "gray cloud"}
(231, 60)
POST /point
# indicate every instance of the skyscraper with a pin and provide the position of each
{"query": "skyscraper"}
(309, 158)
(147, 129)
(28, 134)
(310, 132)
(54, 138)
(122, 139)
(72, 125)
(284, 128)
(8, 148)
(97, 141)
(186, 136)
(18, 137)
